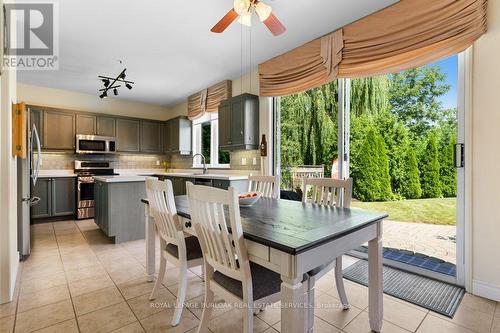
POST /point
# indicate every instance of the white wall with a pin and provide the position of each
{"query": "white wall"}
(9, 257)
(486, 159)
(65, 99)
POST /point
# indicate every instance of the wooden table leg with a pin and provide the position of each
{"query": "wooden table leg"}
(293, 310)
(375, 287)
(150, 244)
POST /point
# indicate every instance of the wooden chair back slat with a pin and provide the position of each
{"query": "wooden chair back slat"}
(328, 192)
(267, 185)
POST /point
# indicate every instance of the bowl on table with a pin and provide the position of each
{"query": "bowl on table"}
(249, 198)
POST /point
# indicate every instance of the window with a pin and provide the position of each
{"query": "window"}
(206, 142)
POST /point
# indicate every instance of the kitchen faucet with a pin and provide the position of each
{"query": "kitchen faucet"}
(204, 162)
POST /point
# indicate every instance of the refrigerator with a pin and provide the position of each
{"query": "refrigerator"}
(27, 174)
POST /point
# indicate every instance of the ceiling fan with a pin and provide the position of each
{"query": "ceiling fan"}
(244, 10)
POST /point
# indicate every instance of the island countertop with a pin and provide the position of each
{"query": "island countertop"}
(130, 177)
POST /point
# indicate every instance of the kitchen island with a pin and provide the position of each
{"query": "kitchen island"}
(118, 211)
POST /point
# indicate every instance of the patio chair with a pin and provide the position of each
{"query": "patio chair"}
(183, 252)
(267, 185)
(228, 271)
(334, 193)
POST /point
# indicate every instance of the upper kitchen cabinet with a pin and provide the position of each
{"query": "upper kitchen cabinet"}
(151, 136)
(36, 118)
(58, 130)
(128, 135)
(86, 124)
(178, 136)
(106, 126)
(239, 123)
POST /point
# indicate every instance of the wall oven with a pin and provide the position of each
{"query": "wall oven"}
(95, 144)
(85, 170)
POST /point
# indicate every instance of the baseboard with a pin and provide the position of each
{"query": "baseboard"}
(486, 290)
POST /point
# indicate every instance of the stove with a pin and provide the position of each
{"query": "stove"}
(85, 170)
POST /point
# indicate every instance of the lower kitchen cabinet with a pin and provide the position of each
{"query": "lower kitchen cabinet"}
(57, 197)
(119, 211)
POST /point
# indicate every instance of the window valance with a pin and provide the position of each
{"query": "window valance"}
(208, 100)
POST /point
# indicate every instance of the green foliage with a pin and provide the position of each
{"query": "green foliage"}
(414, 97)
(446, 161)
(409, 186)
(369, 95)
(371, 174)
(429, 169)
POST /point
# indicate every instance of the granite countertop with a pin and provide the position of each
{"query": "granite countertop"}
(140, 176)
(56, 173)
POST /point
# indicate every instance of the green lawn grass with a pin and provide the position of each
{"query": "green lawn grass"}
(433, 211)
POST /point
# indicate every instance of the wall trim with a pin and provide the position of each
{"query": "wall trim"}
(486, 290)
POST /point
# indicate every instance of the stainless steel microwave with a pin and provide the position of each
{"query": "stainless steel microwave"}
(95, 144)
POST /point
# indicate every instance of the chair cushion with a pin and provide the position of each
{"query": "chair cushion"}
(193, 249)
(264, 282)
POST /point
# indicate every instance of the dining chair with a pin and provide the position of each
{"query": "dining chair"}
(267, 185)
(333, 193)
(228, 271)
(183, 252)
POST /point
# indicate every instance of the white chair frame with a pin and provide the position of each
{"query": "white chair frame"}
(223, 251)
(267, 185)
(162, 209)
(334, 193)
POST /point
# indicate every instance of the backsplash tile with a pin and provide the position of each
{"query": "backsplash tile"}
(186, 162)
(61, 161)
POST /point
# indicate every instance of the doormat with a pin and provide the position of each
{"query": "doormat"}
(437, 296)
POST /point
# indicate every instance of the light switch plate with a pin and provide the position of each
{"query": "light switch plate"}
(254, 161)
(243, 161)
(157, 162)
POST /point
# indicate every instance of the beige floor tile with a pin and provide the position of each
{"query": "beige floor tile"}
(160, 322)
(44, 316)
(270, 330)
(195, 305)
(7, 324)
(127, 273)
(38, 272)
(131, 328)
(329, 309)
(232, 321)
(96, 300)
(8, 309)
(195, 288)
(107, 319)
(402, 314)
(495, 327)
(89, 285)
(479, 303)
(80, 273)
(172, 276)
(271, 314)
(433, 324)
(45, 282)
(136, 288)
(497, 310)
(326, 283)
(361, 324)
(28, 301)
(68, 326)
(357, 294)
(320, 326)
(143, 307)
(470, 318)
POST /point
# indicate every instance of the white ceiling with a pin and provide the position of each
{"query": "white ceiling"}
(167, 45)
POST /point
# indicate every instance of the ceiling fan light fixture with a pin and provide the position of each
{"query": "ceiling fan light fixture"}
(106, 82)
(241, 6)
(263, 10)
(246, 19)
(115, 91)
(128, 86)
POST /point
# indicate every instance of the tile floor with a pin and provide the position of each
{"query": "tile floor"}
(77, 280)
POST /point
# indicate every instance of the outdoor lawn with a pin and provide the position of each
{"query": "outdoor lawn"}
(434, 211)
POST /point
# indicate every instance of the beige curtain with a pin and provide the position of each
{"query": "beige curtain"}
(409, 34)
(208, 100)
(306, 67)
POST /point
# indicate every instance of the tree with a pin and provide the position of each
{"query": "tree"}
(369, 95)
(429, 169)
(413, 97)
(371, 175)
(447, 169)
(410, 181)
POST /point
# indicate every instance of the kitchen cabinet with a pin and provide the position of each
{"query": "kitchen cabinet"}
(179, 183)
(178, 136)
(36, 118)
(58, 130)
(86, 124)
(151, 136)
(106, 126)
(239, 123)
(119, 211)
(57, 197)
(128, 135)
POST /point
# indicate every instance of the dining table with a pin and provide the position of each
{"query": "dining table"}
(293, 239)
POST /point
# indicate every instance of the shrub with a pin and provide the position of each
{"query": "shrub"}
(429, 169)
(410, 180)
(447, 169)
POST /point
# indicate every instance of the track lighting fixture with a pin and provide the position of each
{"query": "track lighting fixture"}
(114, 83)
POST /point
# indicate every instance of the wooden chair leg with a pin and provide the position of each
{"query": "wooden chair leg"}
(248, 319)
(161, 274)
(339, 280)
(181, 294)
(208, 301)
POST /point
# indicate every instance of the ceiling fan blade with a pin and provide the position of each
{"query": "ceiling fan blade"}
(225, 22)
(274, 25)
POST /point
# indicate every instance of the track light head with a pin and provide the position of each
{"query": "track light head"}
(122, 76)
(128, 86)
(106, 82)
(115, 91)
(104, 95)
